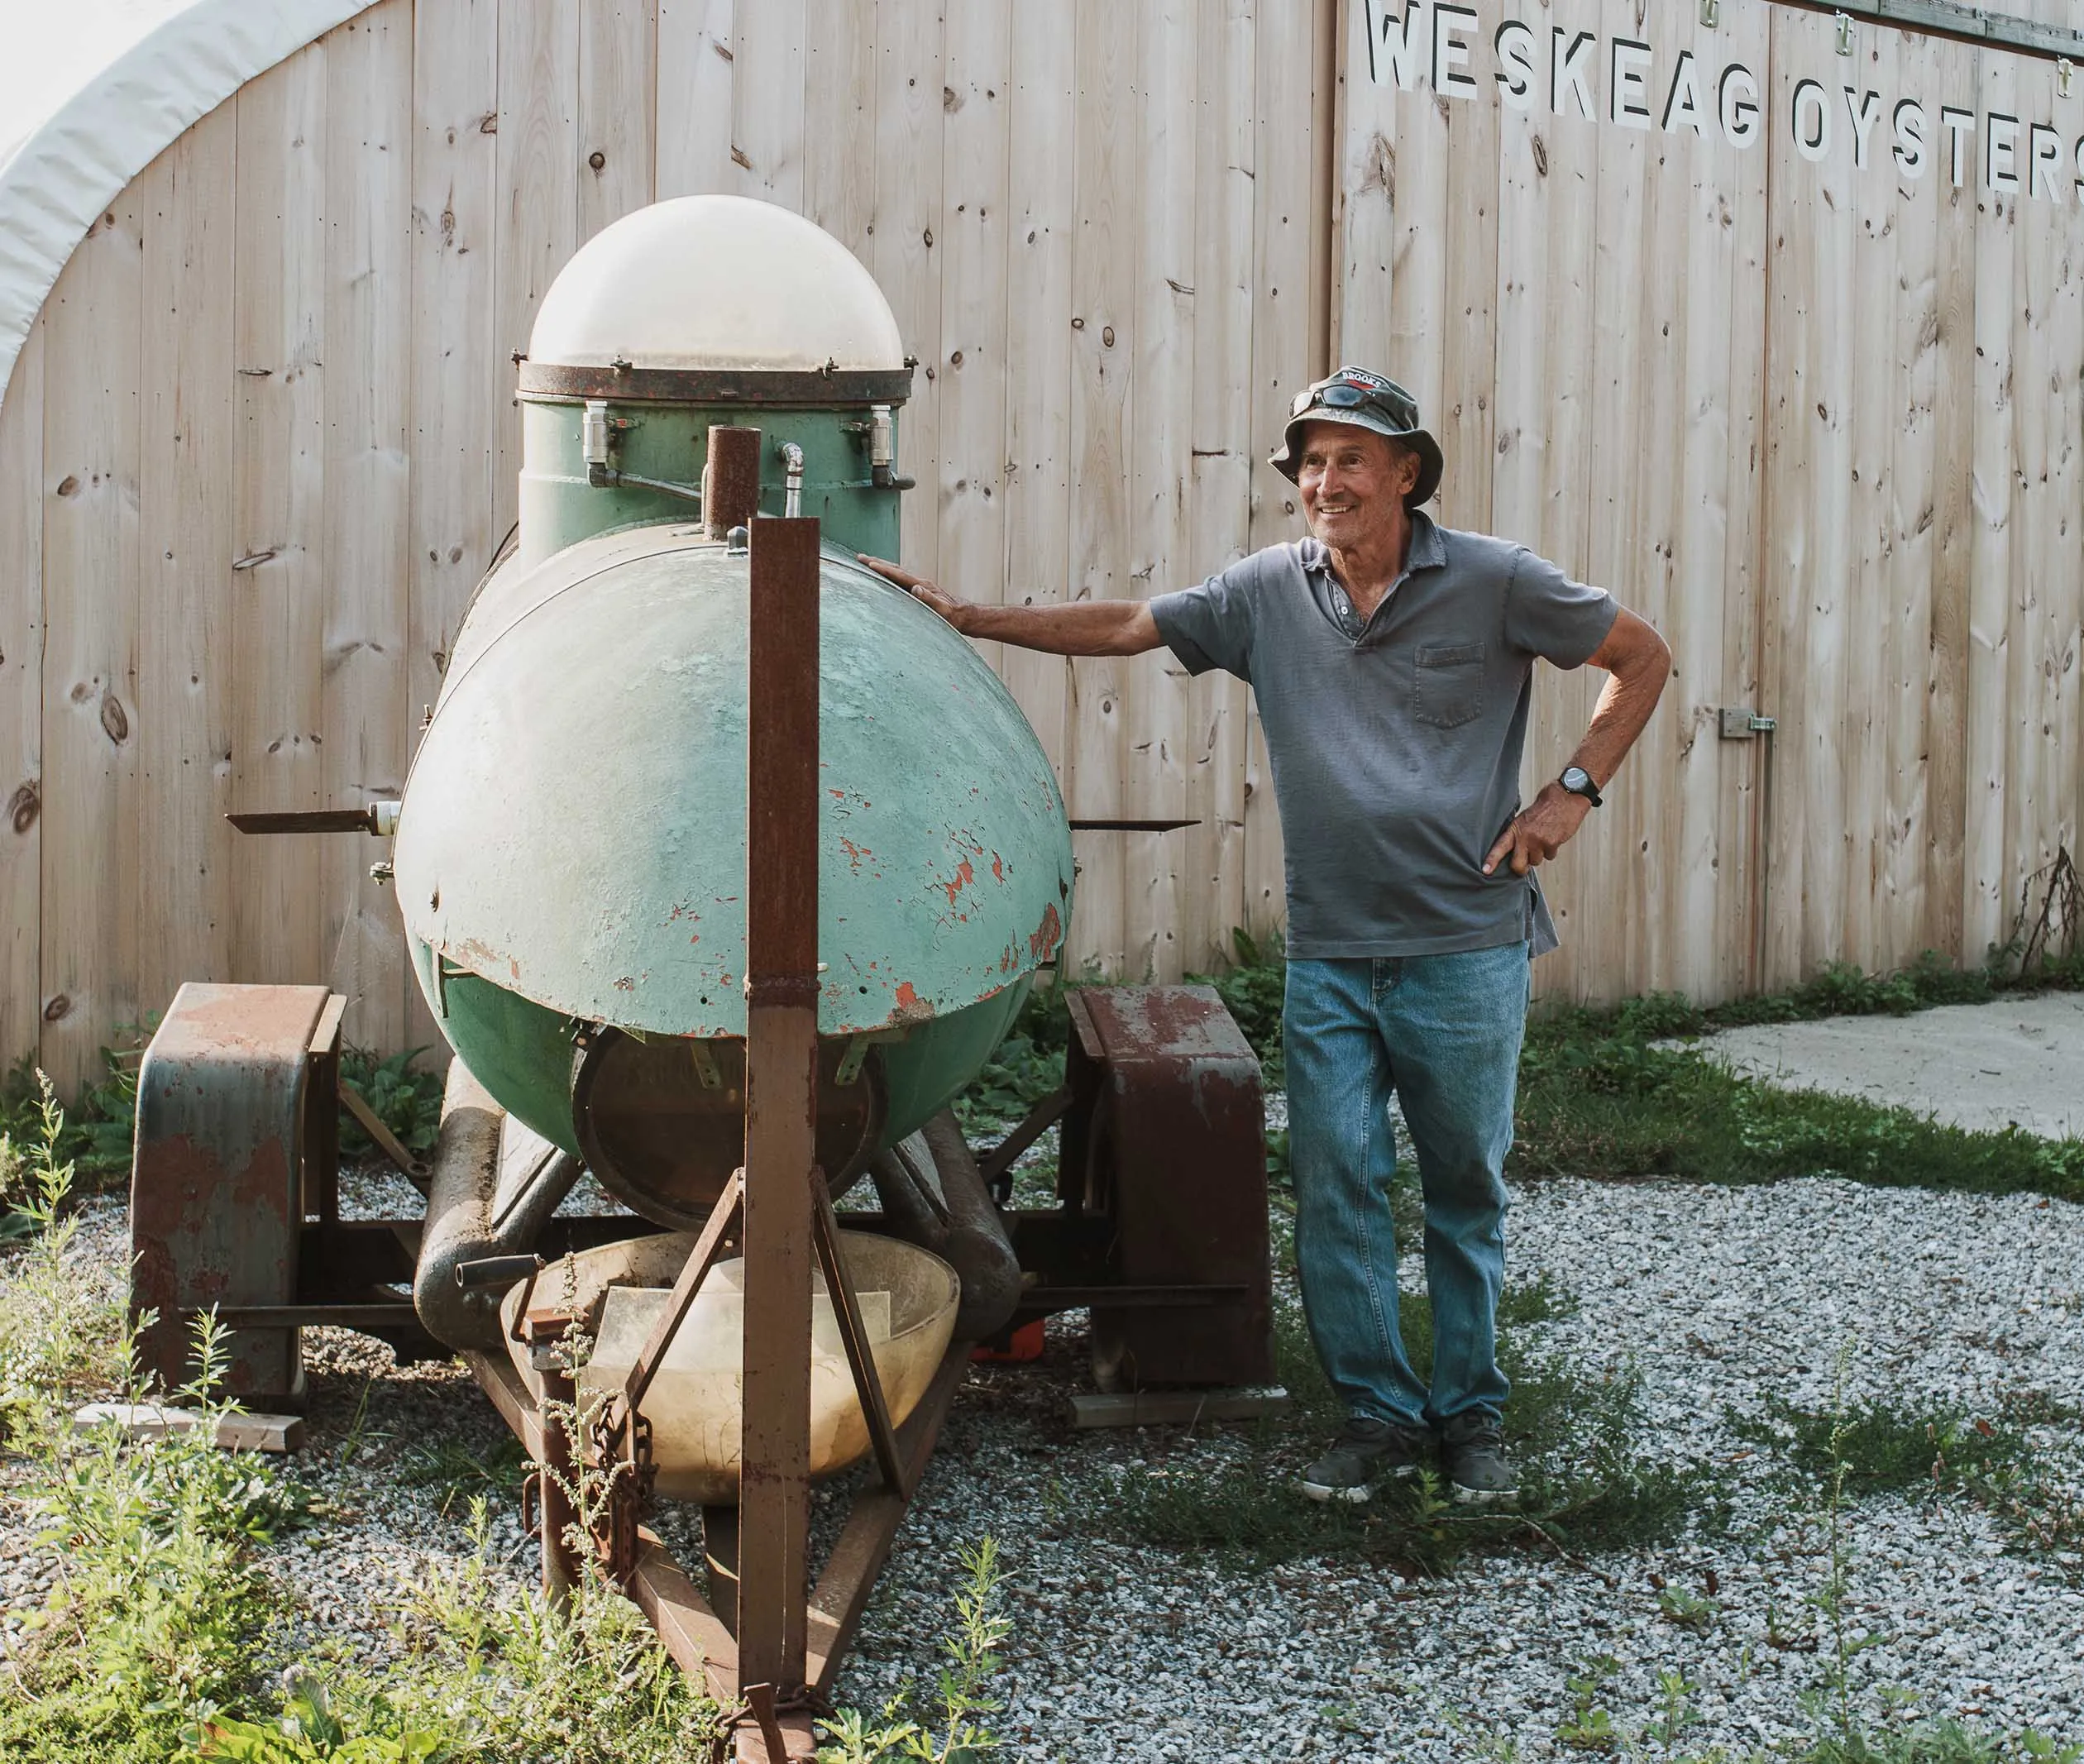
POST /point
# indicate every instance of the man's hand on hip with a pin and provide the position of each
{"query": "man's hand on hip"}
(1539, 830)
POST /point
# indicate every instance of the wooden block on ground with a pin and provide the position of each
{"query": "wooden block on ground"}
(234, 1432)
(1147, 1408)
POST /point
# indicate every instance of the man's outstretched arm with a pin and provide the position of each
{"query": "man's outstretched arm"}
(1638, 662)
(1064, 628)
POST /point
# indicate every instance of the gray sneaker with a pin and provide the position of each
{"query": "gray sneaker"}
(1478, 1473)
(1367, 1453)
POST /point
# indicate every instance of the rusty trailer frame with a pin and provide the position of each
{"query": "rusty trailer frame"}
(1161, 1229)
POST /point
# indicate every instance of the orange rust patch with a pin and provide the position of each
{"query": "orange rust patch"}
(1043, 940)
(855, 853)
(964, 876)
(907, 998)
(998, 868)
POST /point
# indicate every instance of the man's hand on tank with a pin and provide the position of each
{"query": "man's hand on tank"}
(918, 587)
(1540, 830)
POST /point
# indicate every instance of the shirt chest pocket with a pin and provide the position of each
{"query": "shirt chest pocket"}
(1448, 688)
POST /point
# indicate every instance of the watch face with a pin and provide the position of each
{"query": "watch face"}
(1575, 777)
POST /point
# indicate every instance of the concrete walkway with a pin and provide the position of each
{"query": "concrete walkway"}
(1979, 1066)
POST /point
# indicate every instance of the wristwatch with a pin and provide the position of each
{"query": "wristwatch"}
(1577, 782)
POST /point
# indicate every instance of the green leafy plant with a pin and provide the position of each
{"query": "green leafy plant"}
(503, 1672)
(1588, 1727)
(1688, 1610)
(406, 1101)
(159, 1604)
(951, 1734)
(94, 1136)
(1676, 1711)
(109, 1108)
(307, 1732)
(1831, 1597)
(1253, 989)
(60, 1332)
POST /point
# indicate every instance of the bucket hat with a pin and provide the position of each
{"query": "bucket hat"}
(1366, 401)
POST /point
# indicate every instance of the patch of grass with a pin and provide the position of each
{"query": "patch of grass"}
(1584, 1484)
(1589, 1727)
(158, 1603)
(507, 1675)
(1883, 1448)
(1597, 1098)
(481, 1673)
(453, 1468)
(1891, 1449)
(484, 1672)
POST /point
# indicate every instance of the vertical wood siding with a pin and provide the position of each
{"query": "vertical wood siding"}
(1822, 425)
(263, 443)
(1816, 420)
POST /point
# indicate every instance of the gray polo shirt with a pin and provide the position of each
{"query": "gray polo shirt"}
(1395, 744)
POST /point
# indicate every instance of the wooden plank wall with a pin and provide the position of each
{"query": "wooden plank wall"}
(1819, 420)
(1821, 423)
(261, 444)
(1922, 483)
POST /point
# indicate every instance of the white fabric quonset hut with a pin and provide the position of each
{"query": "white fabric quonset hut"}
(89, 95)
(1778, 335)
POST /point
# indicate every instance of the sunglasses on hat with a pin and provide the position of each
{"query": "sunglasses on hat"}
(1350, 392)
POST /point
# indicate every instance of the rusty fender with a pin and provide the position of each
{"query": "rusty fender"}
(460, 1222)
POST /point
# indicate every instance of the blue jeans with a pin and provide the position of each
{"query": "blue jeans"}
(1443, 1032)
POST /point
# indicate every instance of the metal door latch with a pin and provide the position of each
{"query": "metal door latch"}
(1742, 724)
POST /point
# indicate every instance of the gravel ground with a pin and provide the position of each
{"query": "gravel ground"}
(1718, 1299)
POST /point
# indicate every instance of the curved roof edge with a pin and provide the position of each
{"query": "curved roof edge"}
(113, 84)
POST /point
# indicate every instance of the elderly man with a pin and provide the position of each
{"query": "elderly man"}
(1393, 660)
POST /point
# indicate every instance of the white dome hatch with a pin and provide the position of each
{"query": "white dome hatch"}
(706, 282)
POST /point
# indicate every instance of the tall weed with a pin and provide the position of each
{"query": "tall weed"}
(157, 1602)
(949, 1733)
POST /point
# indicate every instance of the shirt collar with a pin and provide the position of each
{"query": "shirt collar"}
(1427, 551)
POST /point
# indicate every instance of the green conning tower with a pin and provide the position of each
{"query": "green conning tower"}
(570, 846)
